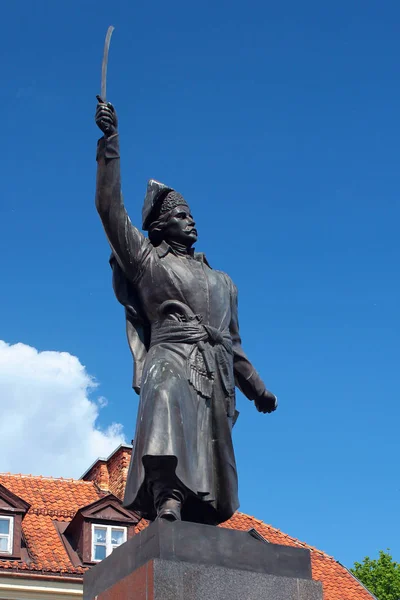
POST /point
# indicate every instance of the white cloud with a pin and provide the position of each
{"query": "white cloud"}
(47, 419)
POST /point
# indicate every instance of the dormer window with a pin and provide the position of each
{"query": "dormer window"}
(105, 538)
(97, 529)
(12, 511)
(6, 535)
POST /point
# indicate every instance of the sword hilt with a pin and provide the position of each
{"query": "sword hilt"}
(112, 110)
(101, 101)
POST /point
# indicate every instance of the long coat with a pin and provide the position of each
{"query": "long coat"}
(187, 368)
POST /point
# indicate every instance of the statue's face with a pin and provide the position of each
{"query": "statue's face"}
(180, 227)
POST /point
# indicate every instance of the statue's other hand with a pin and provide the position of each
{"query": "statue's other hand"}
(106, 117)
(266, 403)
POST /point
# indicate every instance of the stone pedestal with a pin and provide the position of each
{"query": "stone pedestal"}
(188, 561)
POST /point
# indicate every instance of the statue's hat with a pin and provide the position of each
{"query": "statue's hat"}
(159, 199)
(155, 194)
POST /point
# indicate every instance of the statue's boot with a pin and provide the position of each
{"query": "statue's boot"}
(170, 510)
(168, 498)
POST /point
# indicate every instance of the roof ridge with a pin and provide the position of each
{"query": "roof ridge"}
(356, 578)
(52, 512)
(289, 537)
(46, 477)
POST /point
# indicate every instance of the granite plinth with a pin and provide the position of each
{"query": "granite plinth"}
(188, 561)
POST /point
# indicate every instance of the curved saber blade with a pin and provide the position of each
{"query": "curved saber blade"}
(105, 62)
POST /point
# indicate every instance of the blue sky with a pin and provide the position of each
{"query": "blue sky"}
(279, 122)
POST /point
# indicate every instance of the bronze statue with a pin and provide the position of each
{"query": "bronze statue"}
(182, 327)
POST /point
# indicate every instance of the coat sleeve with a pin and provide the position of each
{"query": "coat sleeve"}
(129, 245)
(246, 377)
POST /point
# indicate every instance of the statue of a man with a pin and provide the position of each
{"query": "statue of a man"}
(183, 331)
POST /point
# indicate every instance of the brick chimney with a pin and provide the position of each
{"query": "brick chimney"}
(110, 473)
(98, 472)
(118, 465)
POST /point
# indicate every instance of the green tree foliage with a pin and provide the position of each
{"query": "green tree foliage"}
(380, 576)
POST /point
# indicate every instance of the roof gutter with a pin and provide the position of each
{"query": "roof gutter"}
(40, 576)
(19, 588)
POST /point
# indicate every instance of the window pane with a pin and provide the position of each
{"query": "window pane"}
(4, 526)
(99, 535)
(117, 537)
(99, 552)
(3, 544)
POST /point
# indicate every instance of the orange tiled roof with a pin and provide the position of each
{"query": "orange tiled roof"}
(50, 499)
(59, 499)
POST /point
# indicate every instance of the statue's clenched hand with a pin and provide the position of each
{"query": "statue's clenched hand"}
(266, 403)
(106, 118)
